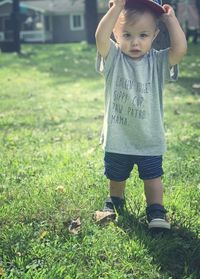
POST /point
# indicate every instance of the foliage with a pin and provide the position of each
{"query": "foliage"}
(51, 173)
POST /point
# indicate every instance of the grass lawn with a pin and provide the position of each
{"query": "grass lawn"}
(51, 172)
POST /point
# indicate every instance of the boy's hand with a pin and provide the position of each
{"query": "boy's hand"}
(169, 13)
(106, 26)
(118, 3)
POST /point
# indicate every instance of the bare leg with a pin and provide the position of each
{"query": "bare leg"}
(155, 210)
(117, 188)
(153, 191)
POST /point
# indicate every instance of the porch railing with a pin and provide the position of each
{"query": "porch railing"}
(35, 36)
(28, 36)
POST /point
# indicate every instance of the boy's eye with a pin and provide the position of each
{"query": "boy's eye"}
(143, 35)
(126, 35)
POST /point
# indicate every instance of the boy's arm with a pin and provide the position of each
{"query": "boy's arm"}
(178, 43)
(106, 26)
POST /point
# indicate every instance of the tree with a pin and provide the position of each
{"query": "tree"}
(91, 20)
(16, 25)
(14, 45)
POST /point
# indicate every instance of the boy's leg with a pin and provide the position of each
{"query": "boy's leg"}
(153, 191)
(156, 213)
(117, 170)
(150, 171)
(117, 188)
(115, 201)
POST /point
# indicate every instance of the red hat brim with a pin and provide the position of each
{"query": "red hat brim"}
(158, 9)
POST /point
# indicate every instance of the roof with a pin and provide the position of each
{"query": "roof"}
(58, 6)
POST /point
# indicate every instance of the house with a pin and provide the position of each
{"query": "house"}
(55, 21)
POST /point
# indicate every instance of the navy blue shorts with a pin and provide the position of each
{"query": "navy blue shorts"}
(119, 166)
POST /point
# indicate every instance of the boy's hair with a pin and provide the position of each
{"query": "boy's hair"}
(132, 14)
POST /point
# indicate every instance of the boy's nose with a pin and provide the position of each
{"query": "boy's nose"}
(134, 42)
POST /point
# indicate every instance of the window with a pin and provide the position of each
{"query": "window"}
(76, 22)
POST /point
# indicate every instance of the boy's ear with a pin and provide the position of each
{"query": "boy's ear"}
(156, 33)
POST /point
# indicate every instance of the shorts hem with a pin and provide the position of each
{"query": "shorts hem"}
(151, 177)
(116, 179)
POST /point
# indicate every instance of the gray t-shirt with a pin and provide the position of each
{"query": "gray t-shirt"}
(133, 119)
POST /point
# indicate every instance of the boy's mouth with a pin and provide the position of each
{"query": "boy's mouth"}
(136, 51)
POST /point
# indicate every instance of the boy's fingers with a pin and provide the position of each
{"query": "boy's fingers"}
(167, 8)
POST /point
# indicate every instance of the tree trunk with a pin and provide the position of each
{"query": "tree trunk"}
(14, 44)
(91, 20)
(16, 25)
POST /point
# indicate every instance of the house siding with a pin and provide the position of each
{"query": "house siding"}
(59, 31)
(62, 32)
(6, 9)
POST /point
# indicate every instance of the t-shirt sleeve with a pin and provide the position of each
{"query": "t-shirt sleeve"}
(169, 73)
(103, 65)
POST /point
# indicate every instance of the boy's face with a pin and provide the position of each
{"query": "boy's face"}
(135, 37)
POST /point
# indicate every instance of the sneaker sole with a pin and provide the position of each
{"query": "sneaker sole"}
(159, 223)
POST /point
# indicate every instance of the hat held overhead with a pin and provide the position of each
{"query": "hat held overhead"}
(155, 5)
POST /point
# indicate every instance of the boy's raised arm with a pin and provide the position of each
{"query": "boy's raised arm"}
(106, 25)
(178, 43)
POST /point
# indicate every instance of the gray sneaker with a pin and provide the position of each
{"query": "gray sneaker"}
(114, 204)
(156, 216)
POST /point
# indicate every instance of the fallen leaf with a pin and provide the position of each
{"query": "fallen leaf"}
(75, 226)
(43, 235)
(104, 217)
(2, 271)
(60, 189)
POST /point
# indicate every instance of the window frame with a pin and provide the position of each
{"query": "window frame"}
(82, 24)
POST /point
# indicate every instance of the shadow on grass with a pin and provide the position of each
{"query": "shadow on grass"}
(63, 63)
(177, 251)
(188, 82)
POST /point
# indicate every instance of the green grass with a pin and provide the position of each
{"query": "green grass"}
(50, 120)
